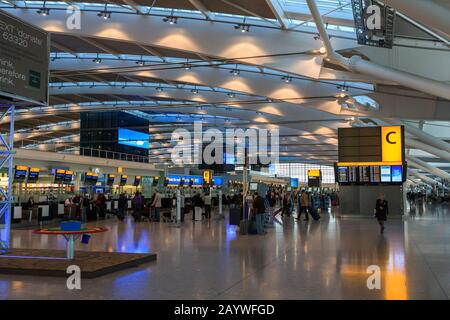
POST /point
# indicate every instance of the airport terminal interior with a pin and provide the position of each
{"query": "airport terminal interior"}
(225, 149)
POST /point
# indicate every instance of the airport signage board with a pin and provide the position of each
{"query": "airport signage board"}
(175, 180)
(314, 178)
(371, 155)
(371, 146)
(24, 60)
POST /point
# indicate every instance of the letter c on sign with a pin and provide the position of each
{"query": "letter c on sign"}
(388, 138)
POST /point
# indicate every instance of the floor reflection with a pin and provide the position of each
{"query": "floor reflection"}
(295, 260)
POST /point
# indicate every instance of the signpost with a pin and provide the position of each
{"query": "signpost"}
(24, 56)
(24, 60)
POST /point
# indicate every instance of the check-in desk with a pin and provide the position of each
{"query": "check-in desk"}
(108, 206)
(43, 212)
(70, 211)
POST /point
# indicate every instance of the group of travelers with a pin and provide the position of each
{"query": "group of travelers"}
(85, 205)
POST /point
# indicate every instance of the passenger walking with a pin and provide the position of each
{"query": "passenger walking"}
(84, 204)
(381, 211)
(157, 205)
(138, 206)
(122, 205)
(197, 202)
(207, 202)
(304, 204)
(259, 209)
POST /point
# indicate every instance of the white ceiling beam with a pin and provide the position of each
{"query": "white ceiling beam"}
(152, 51)
(100, 46)
(134, 5)
(246, 11)
(65, 49)
(278, 11)
(200, 6)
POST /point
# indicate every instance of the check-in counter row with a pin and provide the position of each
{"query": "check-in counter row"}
(46, 212)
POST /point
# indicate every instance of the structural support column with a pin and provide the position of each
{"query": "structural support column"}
(6, 161)
(424, 178)
(426, 167)
(427, 142)
(357, 64)
(429, 13)
(410, 143)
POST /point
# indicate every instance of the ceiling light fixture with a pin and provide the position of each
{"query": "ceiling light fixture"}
(243, 27)
(140, 63)
(286, 79)
(231, 95)
(171, 19)
(159, 89)
(104, 14)
(235, 72)
(43, 11)
(194, 91)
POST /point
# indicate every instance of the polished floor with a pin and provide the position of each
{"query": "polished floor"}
(294, 260)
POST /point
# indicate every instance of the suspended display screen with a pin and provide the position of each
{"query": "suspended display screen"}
(68, 176)
(370, 175)
(20, 173)
(33, 175)
(60, 174)
(137, 181)
(110, 179)
(134, 138)
(123, 180)
(90, 178)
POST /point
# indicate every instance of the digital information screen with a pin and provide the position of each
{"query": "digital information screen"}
(123, 180)
(353, 174)
(90, 178)
(366, 175)
(110, 179)
(386, 174)
(33, 175)
(68, 176)
(343, 174)
(253, 186)
(20, 173)
(217, 181)
(134, 138)
(294, 183)
(397, 173)
(175, 180)
(60, 174)
(137, 181)
(375, 176)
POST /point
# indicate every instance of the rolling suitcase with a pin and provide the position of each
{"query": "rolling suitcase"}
(197, 214)
(314, 213)
(243, 227)
(252, 226)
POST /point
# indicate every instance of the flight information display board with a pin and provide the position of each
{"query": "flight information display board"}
(68, 176)
(371, 155)
(137, 181)
(370, 175)
(20, 173)
(110, 179)
(33, 175)
(59, 175)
